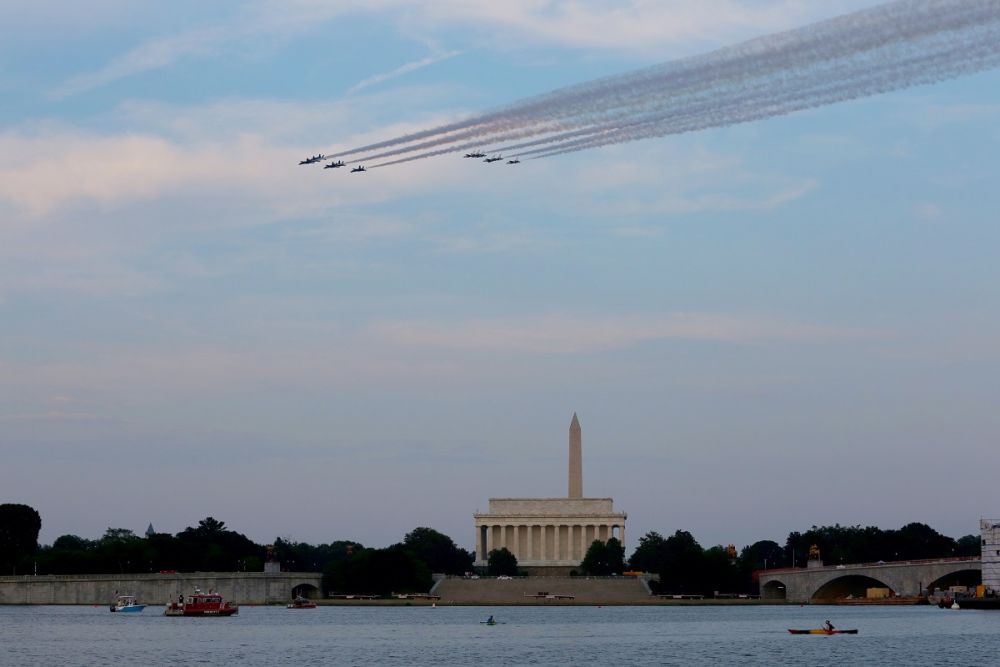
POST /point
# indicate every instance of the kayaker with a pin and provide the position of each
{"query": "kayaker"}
(490, 620)
(828, 626)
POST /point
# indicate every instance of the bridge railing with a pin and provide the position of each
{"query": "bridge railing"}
(144, 576)
(859, 566)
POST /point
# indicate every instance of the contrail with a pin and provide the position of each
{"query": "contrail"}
(777, 105)
(889, 47)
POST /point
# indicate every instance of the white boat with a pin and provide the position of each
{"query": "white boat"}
(126, 603)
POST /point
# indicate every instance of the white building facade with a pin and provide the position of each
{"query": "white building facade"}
(549, 532)
(990, 549)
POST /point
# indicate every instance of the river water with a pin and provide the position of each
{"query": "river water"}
(732, 635)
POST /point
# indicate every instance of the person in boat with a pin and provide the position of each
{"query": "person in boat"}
(490, 620)
(828, 626)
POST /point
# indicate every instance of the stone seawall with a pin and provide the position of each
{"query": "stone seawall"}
(157, 589)
(528, 590)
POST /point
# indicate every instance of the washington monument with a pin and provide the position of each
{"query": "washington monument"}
(549, 536)
(575, 459)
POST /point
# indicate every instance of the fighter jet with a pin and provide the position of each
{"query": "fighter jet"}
(334, 165)
(358, 169)
(514, 161)
(495, 158)
(475, 154)
(314, 159)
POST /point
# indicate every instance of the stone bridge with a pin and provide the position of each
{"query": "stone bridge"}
(903, 578)
(155, 589)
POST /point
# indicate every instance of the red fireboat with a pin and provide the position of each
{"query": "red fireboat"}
(201, 604)
(301, 603)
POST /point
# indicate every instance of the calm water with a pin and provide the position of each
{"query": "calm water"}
(527, 636)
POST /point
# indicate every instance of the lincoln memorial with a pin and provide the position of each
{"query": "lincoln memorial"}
(549, 535)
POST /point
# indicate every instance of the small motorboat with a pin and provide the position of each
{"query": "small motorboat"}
(822, 631)
(126, 603)
(301, 603)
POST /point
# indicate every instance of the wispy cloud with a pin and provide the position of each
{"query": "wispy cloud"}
(52, 415)
(665, 28)
(636, 26)
(401, 71)
(557, 334)
(190, 151)
(150, 55)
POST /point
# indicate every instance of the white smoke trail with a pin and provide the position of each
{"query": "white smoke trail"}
(893, 46)
(721, 116)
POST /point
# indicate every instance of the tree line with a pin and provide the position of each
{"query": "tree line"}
(347, 566)
(683, 566)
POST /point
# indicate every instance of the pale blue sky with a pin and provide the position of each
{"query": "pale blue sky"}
(761, 328)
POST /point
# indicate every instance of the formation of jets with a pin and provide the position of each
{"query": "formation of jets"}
(360, 168)
(336, 164)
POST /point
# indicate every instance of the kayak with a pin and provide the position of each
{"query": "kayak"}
(820, 631)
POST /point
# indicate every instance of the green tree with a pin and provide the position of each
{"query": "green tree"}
(501, 562)
(604, 558)
(761, 555)
(720, 573)
(210, 526)
(164, 552)
(595, 560)
(856, 544)
(70, 554)
(969, 545)
(916, 541)
(684, 568)
(616, 555)
(438, 551)
(211, 547)
(120, 550)
(377, 572)
(72, 543)
(651, 553)
(19, 528)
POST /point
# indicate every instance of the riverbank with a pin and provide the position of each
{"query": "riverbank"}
(649, 602)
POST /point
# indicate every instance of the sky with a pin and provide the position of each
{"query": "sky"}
(763, 327)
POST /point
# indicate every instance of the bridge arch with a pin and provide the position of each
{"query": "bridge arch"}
(848, 586)
(774, 589)
(306, 590)
(970, 578)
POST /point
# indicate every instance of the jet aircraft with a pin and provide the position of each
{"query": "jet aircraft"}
(314, 159)
(495, 158)
(358, 169)
(334, 165)
(514, 161)
(475, 154)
